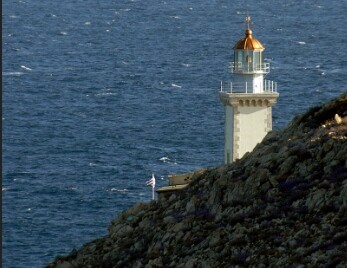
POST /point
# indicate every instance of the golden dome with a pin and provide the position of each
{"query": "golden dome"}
(249, 42)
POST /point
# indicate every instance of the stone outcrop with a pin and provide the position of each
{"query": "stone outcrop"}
(282, 205)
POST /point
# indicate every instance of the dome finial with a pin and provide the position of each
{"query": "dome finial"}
(248, 21)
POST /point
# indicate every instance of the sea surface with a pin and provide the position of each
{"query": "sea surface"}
(98, 95)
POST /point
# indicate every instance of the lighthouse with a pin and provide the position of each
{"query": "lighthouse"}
(248, 98)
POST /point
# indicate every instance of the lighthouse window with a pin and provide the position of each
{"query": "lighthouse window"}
(239, 59)
(257, 60)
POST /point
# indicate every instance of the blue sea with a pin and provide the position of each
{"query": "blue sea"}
(98, 95)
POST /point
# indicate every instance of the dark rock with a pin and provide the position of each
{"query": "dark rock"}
(282, 205)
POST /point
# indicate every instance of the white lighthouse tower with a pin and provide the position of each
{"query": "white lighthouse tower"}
(247, 99)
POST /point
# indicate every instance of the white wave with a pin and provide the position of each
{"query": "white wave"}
(12, 73)
(92, 164)
(26, 68)
(63, 33)
(302, 43)
(4, 189)
(186, 64)
(175, 85)
(29, 209)
(119, 190)
(165, 159)
(87, 23)
(106, 94)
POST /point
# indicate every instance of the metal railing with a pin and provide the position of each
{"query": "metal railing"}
(238, 67)
(247, 87)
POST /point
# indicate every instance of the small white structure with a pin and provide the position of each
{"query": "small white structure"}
(247, 99)
(151, 183)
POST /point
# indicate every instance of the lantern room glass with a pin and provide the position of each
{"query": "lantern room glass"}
(248, 60)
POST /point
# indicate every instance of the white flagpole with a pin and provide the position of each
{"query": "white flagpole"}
(151, 182)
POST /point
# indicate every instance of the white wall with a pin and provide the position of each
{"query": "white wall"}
(228, 136)
(252, 128)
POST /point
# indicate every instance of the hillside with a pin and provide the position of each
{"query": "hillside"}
(283, 204)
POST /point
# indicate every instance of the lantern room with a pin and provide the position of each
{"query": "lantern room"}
(248, 55)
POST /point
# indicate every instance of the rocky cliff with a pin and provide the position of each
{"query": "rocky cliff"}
(284, 204)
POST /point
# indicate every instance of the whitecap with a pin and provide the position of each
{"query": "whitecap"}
(87, 23)
(106, 94)
(165, 159)
(63, 33)
(186, 64)
(26, 68)
(92, 164)
(12, 73)
(302, 43)
(29, 209)
(119, 190)
(4, 189)
(175, 85)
